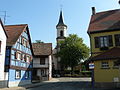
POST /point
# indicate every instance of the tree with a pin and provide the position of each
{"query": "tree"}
(39, 41)
(72, 51)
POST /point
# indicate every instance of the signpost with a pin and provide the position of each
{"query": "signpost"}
(91, 66)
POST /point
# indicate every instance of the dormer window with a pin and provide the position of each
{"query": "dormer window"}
(61, 33)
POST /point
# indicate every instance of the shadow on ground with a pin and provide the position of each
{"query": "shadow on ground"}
(73, 85)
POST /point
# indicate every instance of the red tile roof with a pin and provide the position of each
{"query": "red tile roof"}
(13, 32)
(108, 20)
(113, 53)
(40, 49)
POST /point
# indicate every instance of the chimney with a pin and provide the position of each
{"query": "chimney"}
(93, 11)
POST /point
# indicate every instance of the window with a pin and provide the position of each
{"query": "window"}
(104, 65)
(18, 74)
(96, 42)
(27, 74)
(0, 46)
(24, 42)
(115, 64)
(103, 41)
(61, 33)
(18, 55)
(117, 39)
(43, 72)
(28, 59)
(42, 61)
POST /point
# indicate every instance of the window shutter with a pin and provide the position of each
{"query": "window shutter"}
(117, 42)
(25, 57)
(28, 43)
(96, 42)
(22, 42)
(31, 59)
(16, 55)
(21, 56)
(110, 40)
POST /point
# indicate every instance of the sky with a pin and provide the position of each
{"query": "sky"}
(42, 16)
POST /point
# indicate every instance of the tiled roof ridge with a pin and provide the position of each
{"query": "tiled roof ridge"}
(107, 11)
(16, 25)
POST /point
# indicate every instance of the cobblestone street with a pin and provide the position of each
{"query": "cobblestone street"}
(68, 84)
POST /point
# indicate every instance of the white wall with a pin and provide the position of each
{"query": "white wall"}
(64, 29)
(48, 64)
(2, 54)
(36, 63)
(50, 67)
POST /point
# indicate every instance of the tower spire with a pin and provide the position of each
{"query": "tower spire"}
(61, 22)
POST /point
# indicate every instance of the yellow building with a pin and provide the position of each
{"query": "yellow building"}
(104, 33)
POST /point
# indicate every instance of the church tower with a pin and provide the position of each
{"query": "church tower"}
(61, 35)
(61, 29)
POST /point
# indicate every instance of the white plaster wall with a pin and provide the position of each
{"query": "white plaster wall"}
(2, 54)
(50, 66)
(39, 72)
(55, 62)
(64, 31)
(48, 63)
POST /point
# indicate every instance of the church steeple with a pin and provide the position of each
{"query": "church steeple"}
(61, 22)
(61, 28)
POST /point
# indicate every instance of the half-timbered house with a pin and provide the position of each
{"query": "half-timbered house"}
(18, 62)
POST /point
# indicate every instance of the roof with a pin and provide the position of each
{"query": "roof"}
(13, 32)
(104, 21)
(40, 49)
(61, 22)
(113, 53)
(3, 27)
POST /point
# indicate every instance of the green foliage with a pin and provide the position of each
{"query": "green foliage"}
(72, 51)
(39, 41)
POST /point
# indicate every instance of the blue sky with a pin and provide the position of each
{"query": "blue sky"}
(42, 16)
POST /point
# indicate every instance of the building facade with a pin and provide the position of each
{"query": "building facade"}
(18, 62)
(61, 35)
(42, 61)
(104, 33)
(3, 39)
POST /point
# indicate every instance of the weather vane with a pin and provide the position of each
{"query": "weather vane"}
(61, 6)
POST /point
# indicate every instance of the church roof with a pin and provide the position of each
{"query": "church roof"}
(61, 22)
(105, 21)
